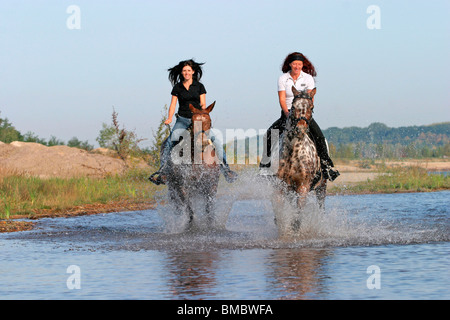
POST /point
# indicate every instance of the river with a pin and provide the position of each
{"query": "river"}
(384, 246)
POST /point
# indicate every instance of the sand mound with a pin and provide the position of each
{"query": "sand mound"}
(59, 161)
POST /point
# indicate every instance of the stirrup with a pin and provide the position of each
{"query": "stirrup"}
(158, 180)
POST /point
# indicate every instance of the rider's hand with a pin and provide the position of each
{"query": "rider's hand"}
(168, 121)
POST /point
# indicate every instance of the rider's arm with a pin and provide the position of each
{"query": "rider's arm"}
(282, 100)
(203, 101)
(172, 107)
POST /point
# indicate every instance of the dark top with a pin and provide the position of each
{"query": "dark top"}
(186, 97)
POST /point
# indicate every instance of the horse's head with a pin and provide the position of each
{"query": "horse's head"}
(201, 123)
(302, 108)
(201, 118)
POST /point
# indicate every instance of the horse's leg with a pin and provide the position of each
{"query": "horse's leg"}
(210, 199)
(209, 208)
(187, 204)
(183, 202)
(189, 210)
(302, 193)
(191, 214)
(321, 193)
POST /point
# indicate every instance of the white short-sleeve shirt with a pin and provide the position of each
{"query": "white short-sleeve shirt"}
(285, 83)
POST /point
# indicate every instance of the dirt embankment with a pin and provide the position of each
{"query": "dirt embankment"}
(34, 159)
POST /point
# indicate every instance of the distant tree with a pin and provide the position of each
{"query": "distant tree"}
(55, 142)
(332, 150)
(426, 152)
(75, 143)
(446, 150)
(8, 133)
(32, 137)
(124, 142)
(379, 133)
(411, 151)
(106, 136)
(158, 138)
(345, 151)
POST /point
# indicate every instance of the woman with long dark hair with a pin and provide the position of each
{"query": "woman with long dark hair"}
(187, 89)
(299, 72)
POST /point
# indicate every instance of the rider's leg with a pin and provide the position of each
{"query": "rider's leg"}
(216, 138)
(178, 129)
(322, 150)
(267, 146)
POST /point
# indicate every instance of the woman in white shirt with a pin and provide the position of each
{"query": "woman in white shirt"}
(299, 72)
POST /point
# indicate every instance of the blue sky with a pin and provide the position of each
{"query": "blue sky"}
(63, 82)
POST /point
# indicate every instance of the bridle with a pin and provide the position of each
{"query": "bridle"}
(195, 134)
(295, 121)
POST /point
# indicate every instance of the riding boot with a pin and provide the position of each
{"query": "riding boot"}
(327, 171)
(266, 160)
(230, 176)
(161, 178)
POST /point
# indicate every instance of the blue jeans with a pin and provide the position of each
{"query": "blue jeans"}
(178, 130)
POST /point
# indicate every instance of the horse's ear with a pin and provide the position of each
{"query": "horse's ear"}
(210, 107)
(295, 91)
(312, 93)
(193, 109)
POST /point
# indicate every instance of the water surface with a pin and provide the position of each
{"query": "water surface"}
(148, 254)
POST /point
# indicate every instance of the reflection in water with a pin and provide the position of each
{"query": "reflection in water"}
(132, 255)
(191, 274)
(296, 273)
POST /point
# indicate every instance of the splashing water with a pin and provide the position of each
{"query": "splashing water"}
(149, 254)
(249, 214)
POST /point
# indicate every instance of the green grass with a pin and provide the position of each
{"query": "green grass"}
(21, 195)
(403, 179)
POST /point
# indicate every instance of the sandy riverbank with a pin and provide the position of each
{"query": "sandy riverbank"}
(354, 171)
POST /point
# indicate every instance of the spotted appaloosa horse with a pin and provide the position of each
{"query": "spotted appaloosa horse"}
(197, 176)
(299, 166)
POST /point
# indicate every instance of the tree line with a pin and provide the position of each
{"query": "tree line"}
(8, 134)
(379, 141)
(375, 141)
(111, 136)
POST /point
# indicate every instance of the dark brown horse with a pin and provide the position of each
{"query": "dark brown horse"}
(194, 176)
(299, 167)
